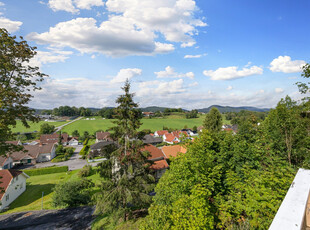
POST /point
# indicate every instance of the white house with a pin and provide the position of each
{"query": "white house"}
(73, 141)
(13, 184)
(6, 162)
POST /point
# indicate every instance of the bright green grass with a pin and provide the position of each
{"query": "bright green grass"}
(153, 124)
(31, 199)
(33, 126)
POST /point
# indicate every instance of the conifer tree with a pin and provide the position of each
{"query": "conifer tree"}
(130, 182)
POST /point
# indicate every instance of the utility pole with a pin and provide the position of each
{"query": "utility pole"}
(42, 201)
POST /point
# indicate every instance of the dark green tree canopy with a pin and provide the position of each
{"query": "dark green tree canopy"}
(17, 80)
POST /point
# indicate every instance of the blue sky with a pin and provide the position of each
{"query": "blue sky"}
(176, 53)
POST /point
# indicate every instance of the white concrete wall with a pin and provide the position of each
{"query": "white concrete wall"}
(15, 189)
(292, 210)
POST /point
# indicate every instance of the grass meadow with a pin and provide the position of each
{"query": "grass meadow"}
(33, 126)
(31, 199)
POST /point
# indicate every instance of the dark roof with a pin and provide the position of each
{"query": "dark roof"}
(6, 176)
(149, 139)
(101, 144)
(3, 160)
(102, 135)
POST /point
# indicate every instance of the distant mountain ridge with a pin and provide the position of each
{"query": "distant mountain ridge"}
(222, 109)
(225, 109)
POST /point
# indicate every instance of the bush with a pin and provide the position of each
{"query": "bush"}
(48, 170)
(72, 193)
(86, 141)
(86, 171)
(56, 159)
(84, 150)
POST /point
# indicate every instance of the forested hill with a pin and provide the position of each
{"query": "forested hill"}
(224, 109)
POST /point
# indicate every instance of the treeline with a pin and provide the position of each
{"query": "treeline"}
(238, 117)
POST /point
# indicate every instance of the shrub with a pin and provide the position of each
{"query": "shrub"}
(48, 170)
(72, 193)
(85, 171)
(55, 160)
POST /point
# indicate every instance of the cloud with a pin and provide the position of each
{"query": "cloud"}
(124, 74)
(11, 26)
(286, 65)
(229, 88)
(170, 73)
(131, 28)
(193, 84)
(194, 56)
(116, 37)
(73, 6)
(2, 4)
(45, 57)
(278, 90)
(232, 72)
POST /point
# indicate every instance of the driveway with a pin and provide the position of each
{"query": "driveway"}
(73, 163)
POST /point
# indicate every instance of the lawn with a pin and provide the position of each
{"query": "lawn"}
(173, 121)
(31, 199)
(33, 126)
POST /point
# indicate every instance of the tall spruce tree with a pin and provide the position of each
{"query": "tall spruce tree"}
(127, 188)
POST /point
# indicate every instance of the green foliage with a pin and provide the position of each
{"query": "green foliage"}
(75, 133)
(17, 80)
(192, 114)
(47, 128)
(213, 121)
(304, 88)
(43, 171)
(86, 171)
(222, 182)
(72, 193)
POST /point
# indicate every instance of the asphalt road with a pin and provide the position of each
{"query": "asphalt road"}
(73, 163)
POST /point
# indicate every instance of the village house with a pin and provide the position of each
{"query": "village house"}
(174, 137)
(13, 184)
(160, 133)
(102, 136)
(34, 154)
(159, 163)
(6, 162)
(54, 138)
(149, 139)
(148, 114)
(173, 150)
(73, 141)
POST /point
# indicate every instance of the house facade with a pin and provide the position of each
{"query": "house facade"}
(13, 184)
(6, 162)
(102, 136)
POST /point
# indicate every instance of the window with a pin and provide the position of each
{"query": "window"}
(21, 186)
(7, 197)
(16, 178)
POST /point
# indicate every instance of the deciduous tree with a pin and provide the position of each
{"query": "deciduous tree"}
(17, 80)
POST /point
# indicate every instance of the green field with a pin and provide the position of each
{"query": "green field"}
(153, 124)
(31, 199)
(33, 126)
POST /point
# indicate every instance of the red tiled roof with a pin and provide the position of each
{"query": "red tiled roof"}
(155, 153)
(2, 160)
(169, 137)
(173, 151)
(12, 142)
(53, 138)
(157, 165)
(6, 176)
(161, 132)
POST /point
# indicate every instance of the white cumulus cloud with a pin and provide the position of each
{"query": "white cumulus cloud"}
(73, 6)
(10, 25)
(131, 28)
(286, 65)
(45, 57)
(232, 72)
(229, 87)
(170, 73)
(124, 74)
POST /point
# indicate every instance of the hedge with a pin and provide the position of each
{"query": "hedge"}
(48, 170)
